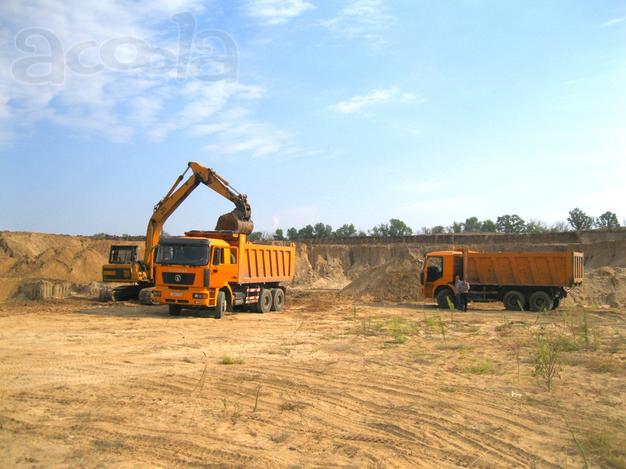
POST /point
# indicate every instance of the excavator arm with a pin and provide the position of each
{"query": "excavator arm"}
(238, 220)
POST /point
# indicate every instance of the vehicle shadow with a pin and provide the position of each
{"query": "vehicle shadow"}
(129, 310)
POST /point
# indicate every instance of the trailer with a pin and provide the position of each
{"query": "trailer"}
(219, 271)
(521, 280)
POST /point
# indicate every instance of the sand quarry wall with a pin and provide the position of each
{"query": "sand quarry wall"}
(37, 265)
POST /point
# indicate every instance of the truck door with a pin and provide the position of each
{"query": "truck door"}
(223, 266)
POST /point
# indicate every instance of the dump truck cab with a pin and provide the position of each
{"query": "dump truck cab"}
(439, 271)
(190, 270)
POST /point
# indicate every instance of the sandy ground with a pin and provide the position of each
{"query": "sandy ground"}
(323, 383)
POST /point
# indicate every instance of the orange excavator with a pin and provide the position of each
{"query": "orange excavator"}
(138, 275)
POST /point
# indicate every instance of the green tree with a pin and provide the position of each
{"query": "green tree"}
(292, 233)
(255, 236)
(306, 232)
(380, 230)
(439, 229)
(510, 224)
(488, 226)
(472, 225)
(399, 228)
(579, 220)
(345, 231)
(320, 230)
(456, 227)
(559, 227)
(536, 226)
(279, 235)
(607, 220)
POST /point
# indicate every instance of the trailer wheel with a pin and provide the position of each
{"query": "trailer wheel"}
(514, 300)
(175, 310)
(220, 306)
(278, 299)
(540, 301)
(265, 301)
(444, 298)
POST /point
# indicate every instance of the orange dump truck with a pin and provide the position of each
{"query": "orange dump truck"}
(217, 271)
(521, 280)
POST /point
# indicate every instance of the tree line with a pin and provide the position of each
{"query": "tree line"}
(577, 220)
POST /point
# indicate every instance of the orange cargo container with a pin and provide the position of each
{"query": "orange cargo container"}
(266, 263)
(534, 280)
(220, 271)
(555, 269)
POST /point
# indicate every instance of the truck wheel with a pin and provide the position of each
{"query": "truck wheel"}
(265, 301)
(442, 298)
(175, 310)
(278, 299)
(220, 306)
(514, 300)
(557, 302)
(540, 301)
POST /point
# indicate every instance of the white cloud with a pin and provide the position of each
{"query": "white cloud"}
(114, 102)
(374, 97)
(363, 20)
(612, 22)
(251, 137)
(274, 12)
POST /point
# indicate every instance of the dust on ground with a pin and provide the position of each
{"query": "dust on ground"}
(326, 382)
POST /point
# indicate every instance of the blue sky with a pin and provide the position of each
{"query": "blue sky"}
(348, 111)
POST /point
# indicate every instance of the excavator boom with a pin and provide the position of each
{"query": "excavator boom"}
(238, 221)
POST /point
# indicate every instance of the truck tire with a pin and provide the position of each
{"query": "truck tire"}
(443, 296)
(557, 303)
(278, 299)
(221, 305)
(540, 301)
(175, 310)
(265, 301)
(513, 299)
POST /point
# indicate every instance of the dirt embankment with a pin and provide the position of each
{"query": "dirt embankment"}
(369, 269)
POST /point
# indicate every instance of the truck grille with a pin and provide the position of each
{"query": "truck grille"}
(178, 279)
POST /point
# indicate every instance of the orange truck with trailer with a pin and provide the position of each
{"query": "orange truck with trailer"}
(219, 271)
(521, 280)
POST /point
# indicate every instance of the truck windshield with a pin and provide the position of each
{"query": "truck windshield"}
(182, 254)
(434, 268)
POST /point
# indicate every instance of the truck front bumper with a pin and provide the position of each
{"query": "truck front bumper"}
(196, 297)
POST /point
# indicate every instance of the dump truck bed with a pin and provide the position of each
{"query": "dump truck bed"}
(262, 263)
(558, 269)
(257, 263)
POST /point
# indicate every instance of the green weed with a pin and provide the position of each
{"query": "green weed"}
(226, 360)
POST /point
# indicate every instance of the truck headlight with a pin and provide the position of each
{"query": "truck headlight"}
(156, 293)
(200, 296)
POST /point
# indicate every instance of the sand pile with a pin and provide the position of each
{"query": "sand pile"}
(395, 281)
(58, 259)
(602, 286)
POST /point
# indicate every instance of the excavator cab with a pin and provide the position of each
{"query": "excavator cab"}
(122, 254)
(120, 266)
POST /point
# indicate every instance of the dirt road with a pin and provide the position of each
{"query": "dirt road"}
(323, 383)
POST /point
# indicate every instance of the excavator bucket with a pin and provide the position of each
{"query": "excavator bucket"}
(231, 221)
